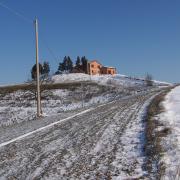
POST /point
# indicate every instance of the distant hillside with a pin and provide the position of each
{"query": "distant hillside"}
(117, 79)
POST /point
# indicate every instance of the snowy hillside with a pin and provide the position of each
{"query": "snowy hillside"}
(20, 105)
(119, 80)
(93, 129)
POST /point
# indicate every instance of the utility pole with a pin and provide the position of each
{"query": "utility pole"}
(37, 71)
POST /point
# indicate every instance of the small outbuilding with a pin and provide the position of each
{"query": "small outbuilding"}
(108, 70)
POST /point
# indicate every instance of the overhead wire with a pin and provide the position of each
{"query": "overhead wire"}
(20, 15)
(16, 13)
(51, 52)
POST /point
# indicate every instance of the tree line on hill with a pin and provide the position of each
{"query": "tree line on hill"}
(66, 66)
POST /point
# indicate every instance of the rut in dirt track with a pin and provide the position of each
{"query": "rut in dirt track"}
(83, 147)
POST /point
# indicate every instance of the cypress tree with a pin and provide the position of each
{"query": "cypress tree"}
(78, 62)
(69, 64)
(33, 71)
(46, 68)
(84, 64)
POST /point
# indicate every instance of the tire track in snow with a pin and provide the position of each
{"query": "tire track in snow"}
(42, 128)
(67, 149)
(50, 125)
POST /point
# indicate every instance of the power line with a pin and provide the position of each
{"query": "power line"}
(49, 50)
(20, 15)
(16, 13)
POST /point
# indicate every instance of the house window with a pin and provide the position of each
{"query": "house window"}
(92, 65)
(92, 71)
(109, 71)
(99, 66)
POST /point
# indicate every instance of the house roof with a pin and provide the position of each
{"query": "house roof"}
(109, 67)
(95, 61)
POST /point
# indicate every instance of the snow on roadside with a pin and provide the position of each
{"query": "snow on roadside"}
(170, 118)
(133, 140)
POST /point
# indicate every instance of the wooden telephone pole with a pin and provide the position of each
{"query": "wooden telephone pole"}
(37, 71)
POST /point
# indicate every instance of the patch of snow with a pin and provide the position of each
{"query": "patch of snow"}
(60, 92)
(133, 140)
(162, 83)
(171, 119)
(72, 77)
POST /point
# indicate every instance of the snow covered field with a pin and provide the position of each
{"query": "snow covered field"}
(20, 105)
(118, 79)
(170, 118)
(105, 141)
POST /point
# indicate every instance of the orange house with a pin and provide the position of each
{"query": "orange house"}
(94, 68)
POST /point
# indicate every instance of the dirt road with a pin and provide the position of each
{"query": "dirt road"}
(87, 146)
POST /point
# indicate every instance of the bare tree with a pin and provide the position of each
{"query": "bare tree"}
(149, 80)
(44, 79)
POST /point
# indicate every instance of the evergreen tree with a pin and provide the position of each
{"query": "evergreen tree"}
(84, 62)
(65, 62)
(34, 73)
(78, 62)
(46, 68)
(65, 66)
(69, 64)
(60, 68)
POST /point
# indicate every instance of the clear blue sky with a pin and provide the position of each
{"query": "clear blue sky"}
(135, 36)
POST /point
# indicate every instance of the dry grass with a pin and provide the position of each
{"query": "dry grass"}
(153, 148)
(49, 86)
